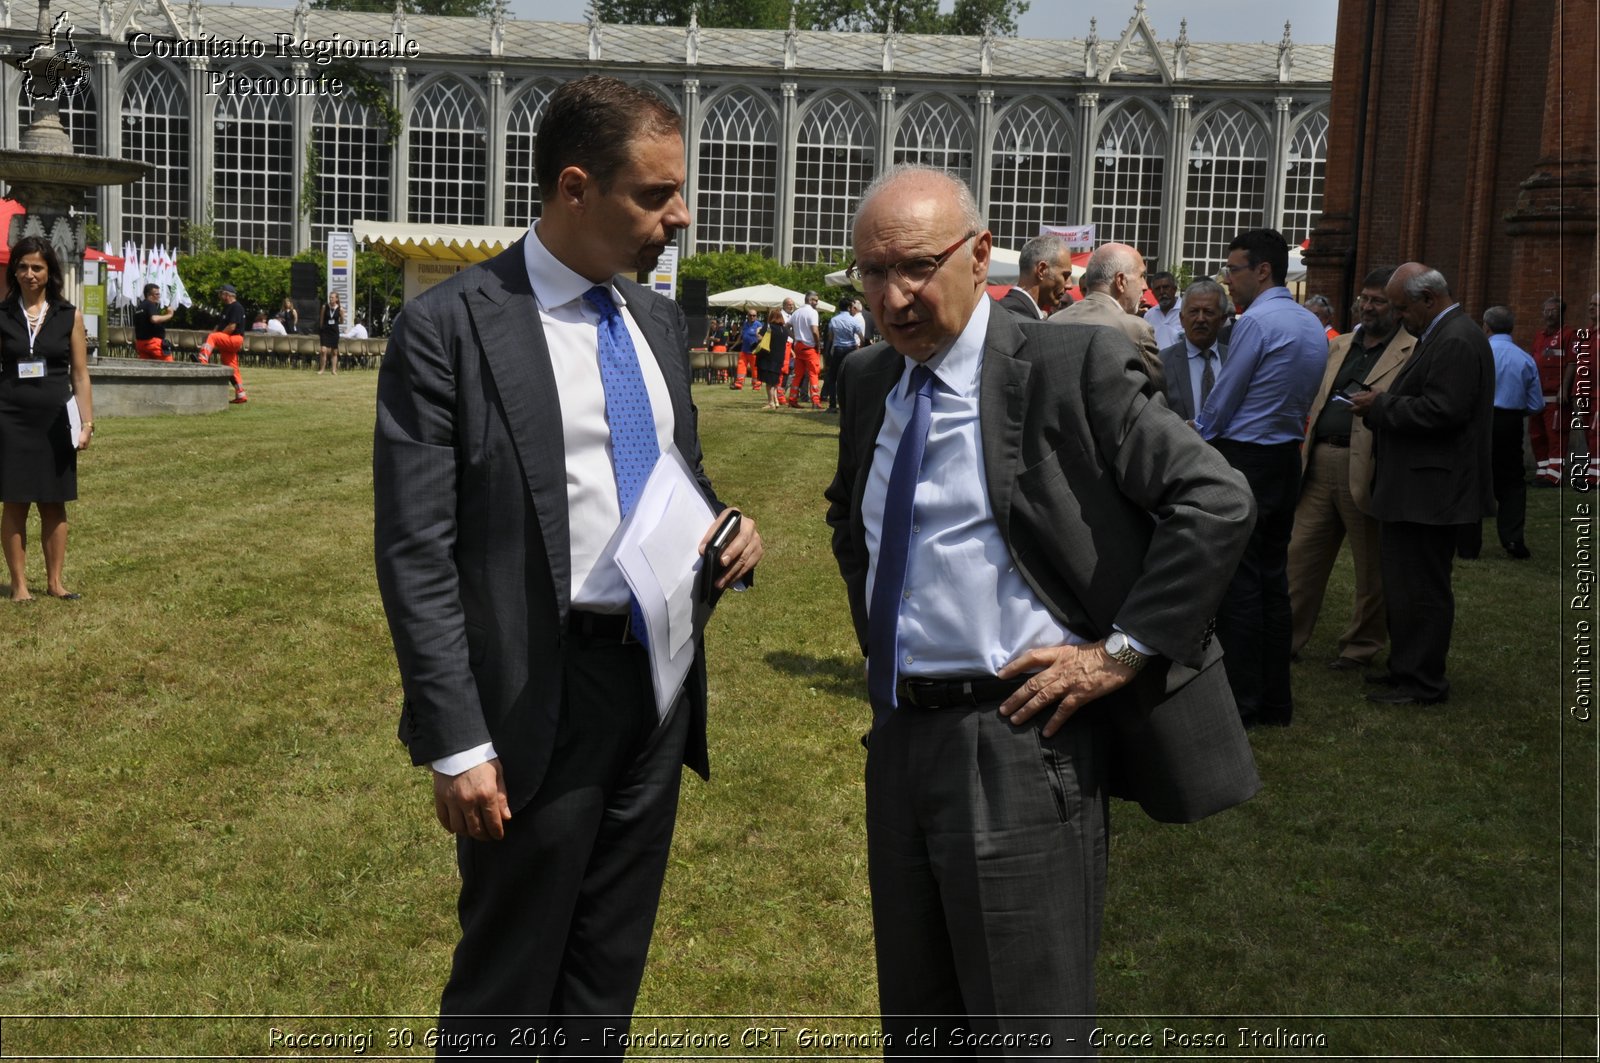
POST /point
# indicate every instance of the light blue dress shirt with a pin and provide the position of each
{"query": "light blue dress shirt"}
(1516, 377)
(1276, 355)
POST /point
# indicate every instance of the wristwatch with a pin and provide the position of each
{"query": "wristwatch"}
(1119, 649)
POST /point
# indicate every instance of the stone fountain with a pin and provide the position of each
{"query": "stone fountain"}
(45, 175)
(49, 178)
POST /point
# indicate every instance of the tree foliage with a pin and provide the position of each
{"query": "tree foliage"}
(463, 8)
(262, 281)
(866, 16)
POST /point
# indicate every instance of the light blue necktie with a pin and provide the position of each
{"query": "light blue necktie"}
(634, 449)
(894, 547)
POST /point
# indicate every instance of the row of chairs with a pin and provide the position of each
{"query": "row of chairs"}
(260, 348)
(714, 367)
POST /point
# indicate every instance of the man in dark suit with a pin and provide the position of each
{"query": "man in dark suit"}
(1033, 546)
(1044, 273)
(1432, 431)
(1191, 366)
(520, 408)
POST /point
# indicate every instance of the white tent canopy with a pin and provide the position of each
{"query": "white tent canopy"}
(761, 297)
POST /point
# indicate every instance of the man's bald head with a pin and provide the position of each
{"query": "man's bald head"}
(1117, 270)
(923, 257)
(1418, 294)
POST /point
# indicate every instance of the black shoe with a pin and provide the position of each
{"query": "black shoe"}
(1382, 679)
(1346, 664)
(1404, 696)
(1518, 551)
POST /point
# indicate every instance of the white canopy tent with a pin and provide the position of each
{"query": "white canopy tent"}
(761, 297)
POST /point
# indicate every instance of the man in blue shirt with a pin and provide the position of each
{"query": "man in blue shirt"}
(1516, 396)
(846, 332)
(1256, 418)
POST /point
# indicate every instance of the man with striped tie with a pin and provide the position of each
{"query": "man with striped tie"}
(521, 406)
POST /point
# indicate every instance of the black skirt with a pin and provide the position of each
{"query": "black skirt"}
(38, 462)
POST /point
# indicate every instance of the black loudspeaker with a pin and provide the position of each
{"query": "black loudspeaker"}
(304, 280)
(692, 296)
(699, 327)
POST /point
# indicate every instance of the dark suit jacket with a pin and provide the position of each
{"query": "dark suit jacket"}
(1018, 302)
(1432, 430)
(1394, 355)
(1114, 510)
(469, 478)
(1180, 392)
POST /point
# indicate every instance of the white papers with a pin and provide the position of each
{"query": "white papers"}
(74, 421)
(658, 550)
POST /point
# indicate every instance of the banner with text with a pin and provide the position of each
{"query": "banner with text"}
(1078, 237)
(342, 272)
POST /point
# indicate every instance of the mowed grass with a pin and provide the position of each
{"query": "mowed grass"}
(206, 811)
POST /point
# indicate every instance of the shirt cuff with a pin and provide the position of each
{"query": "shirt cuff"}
(467, 759)
(1138, 647)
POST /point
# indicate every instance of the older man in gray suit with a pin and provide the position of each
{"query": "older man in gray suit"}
(1033, 546)
(1113, 286)
(520, 407)
(1191, 365)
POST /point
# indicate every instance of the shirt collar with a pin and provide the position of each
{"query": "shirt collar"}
(1194, 352)
(956, 367)
(1277, 291)
(1438, 318)
(554, 283)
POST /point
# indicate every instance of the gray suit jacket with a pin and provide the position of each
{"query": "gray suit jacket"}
(1433, 429)
(1114, 511)
(1098, 308)
(1180, 391)
(469, 479)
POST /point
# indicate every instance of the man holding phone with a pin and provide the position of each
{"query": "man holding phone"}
(1336, 481)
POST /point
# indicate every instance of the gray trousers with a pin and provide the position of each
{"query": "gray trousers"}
(987, 858)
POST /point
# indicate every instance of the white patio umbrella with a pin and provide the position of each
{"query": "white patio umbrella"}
(761, 297)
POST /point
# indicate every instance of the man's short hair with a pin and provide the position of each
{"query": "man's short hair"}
(1265, 245)
(1163, 275)
(1424, 282)
(965, 204)
(1206, 286)
(590, 123)
(1107, 261)
(1045, 248)
(151, 288)
(1378, 278)
(1499, 320)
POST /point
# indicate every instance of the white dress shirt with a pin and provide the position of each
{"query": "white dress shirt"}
(966, 610)
(571, 332)
(1168, 328)
(803, 326)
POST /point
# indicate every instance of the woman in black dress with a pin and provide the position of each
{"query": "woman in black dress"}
(43, 362)
(769, 363)
(289, 317)
(328, 326)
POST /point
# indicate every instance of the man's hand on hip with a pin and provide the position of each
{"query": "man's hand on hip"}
(473, 804)
(1069, 677)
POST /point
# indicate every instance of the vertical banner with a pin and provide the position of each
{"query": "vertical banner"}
(342, 272)
(664, 278)
(94, 301)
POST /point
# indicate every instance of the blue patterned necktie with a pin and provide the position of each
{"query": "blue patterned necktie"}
(634, 449)
(894, 547)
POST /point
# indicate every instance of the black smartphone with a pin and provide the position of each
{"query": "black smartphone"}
(711, 566)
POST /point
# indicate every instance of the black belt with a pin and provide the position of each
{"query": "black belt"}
(946, 693)
(601, 627)
(1334, 441)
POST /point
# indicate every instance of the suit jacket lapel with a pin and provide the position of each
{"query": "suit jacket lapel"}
(505, 319)
(1002, 404)
(1393, 357)
(874, 385)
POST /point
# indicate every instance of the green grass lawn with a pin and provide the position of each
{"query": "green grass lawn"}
(206, 811)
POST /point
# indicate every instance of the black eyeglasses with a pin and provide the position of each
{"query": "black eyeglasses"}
(913, 273)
